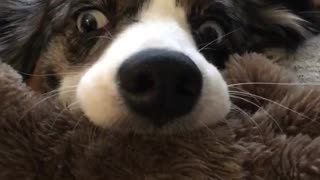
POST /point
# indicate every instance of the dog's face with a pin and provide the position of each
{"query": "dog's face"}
(146, 65)
(144, 69)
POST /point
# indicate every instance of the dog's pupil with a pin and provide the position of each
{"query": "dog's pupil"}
(89, 23)
(208, 33)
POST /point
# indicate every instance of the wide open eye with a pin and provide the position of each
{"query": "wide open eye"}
(211, 31)
(91, 20)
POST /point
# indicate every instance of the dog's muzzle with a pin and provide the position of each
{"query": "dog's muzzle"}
(160, 85)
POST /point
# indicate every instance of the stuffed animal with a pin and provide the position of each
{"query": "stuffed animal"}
(272, 133)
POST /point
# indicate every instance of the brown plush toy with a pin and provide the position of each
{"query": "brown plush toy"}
(274, 136)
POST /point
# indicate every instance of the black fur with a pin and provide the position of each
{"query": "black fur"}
(25, 29)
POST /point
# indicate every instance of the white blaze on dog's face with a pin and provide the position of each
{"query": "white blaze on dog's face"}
(161, 25)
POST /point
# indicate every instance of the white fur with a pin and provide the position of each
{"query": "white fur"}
(162, 25)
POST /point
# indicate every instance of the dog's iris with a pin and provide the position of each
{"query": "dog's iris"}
(91, 21)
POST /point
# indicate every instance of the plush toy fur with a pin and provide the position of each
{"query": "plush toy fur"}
(275, 137)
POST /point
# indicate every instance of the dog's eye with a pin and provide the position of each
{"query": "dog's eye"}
(211, 31)
(91, 21)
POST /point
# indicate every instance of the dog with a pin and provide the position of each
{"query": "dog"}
(145, 65)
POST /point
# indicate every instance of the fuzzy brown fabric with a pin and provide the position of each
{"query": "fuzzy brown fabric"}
(276, 137)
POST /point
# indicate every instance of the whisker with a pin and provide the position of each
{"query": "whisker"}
(48, 74)
(63, 111)
(216, 40)
(208, 128)
(238, 109)
(25, 113)
(309, 12)
(259, 107)
(101, 37)
(271, 83)
(110, 35)
(271, 101)
(60, 90)
(78, 122)
(92, 133)
(209, 48)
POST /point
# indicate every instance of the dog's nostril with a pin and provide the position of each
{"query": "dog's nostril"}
(160, 85)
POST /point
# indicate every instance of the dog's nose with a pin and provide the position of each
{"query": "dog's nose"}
(160, 85)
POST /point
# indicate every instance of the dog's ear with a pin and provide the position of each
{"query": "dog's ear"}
(21, 37)
(278, 23)
(25, 27)
(296, 5)
(306, 9)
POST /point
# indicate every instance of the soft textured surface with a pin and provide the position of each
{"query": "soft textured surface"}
(305, 62)
(276, 136)
(281, 126)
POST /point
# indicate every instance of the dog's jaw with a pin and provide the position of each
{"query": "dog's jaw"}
(161, 24)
